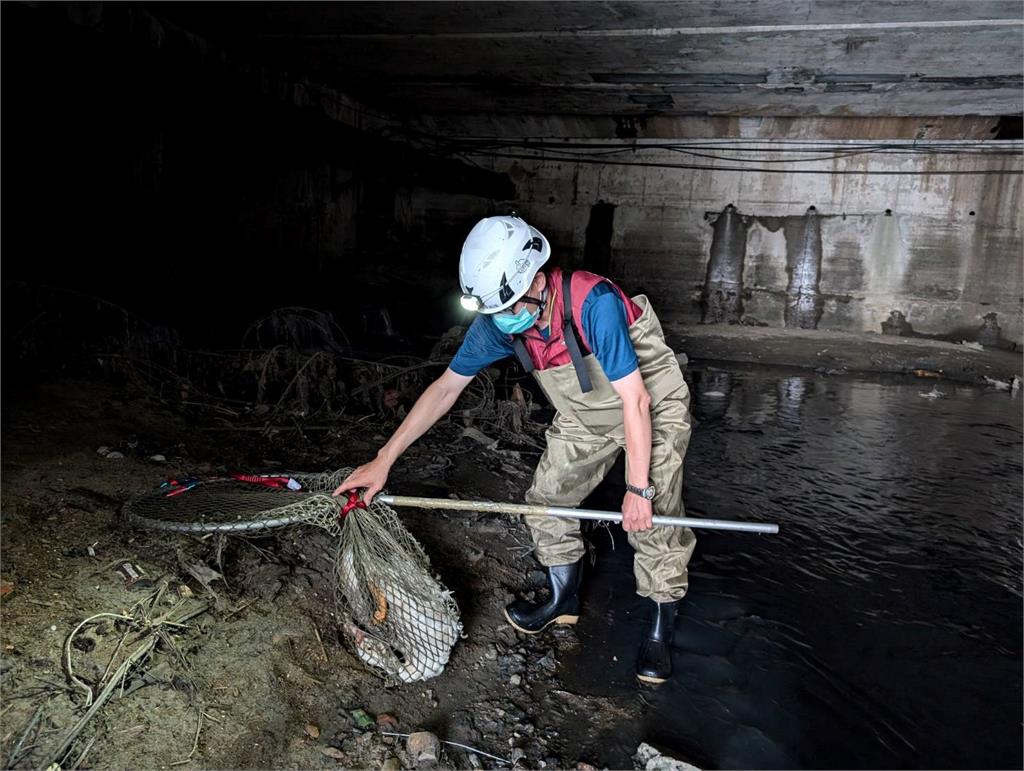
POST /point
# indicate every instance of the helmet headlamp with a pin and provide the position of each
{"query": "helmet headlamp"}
(471, 302)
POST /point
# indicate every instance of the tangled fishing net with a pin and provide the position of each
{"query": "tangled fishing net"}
(402, 621)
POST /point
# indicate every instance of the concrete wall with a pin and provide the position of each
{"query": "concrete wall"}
(948, 253)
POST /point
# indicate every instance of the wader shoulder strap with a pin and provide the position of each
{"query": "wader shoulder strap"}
(522, 354)
(569, 335)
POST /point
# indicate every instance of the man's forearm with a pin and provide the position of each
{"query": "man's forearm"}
(637, 423)
(432, 405)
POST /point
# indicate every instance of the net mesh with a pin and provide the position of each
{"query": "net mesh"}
(400, 619)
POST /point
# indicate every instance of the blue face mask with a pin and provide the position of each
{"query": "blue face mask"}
(515, 323)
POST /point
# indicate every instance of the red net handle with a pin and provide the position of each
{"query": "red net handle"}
(267, 481)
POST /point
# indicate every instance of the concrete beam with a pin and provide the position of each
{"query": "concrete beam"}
(500, 18)
(644, 32)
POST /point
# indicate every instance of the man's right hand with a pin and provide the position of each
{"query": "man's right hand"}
(371, 477)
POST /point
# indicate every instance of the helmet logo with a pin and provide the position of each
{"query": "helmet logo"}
(522, 265)
(505, 292)
(533, 243)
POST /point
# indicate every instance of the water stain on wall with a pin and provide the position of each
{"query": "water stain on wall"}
(722, 301)
(803, 264)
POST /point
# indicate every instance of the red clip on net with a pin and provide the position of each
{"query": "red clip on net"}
(354, 502)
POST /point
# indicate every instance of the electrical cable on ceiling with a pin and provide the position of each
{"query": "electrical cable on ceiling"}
(706, 167)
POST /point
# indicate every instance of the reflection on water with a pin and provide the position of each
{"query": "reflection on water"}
(881, 628)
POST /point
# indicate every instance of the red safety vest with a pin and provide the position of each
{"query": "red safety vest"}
(556, 349)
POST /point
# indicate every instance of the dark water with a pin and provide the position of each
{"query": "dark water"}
(881, 628)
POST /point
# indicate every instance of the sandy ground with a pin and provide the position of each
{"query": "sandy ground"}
(247, 683)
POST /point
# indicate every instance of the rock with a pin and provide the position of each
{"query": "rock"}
(506, 634)
(391, 764)
(114, 455)
(157, 458)
(548, 662)
(387, 722)
(479, 436)
(515, 680)
(104, 450)
(332, 752)
(312, 731)
(491, 653)
(518, 755)
(649, 759)
(424, 747)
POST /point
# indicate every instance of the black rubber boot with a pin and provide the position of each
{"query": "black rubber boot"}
(655, 662)
(563, 607)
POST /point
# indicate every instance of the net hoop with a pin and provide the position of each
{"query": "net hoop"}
(193, 511)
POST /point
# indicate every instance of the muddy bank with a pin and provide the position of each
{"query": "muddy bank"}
(842, 352)
(260, 677)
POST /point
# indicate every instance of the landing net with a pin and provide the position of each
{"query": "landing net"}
(401, 620)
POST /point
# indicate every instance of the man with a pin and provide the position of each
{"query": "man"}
(601, 359)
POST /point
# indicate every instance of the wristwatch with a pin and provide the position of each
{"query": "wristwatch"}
(644, 492)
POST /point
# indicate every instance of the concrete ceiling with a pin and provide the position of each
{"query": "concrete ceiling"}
(732, 58)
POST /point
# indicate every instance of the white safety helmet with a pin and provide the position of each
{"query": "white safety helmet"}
(498, 262)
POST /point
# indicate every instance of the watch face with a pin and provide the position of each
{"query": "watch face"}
(649, 493)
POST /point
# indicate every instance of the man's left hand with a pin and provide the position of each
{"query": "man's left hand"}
(636, 513)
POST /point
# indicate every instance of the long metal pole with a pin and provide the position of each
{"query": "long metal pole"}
(495, 507)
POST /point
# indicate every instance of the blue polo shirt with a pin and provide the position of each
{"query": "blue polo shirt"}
(603, 323)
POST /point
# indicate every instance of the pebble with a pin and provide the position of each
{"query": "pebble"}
(424, 747)
(387, 722)
(391, 764)
(517, 755)
(515, 679)
(104, 450)
(115, 455)
(157, 458)
(491, 653)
